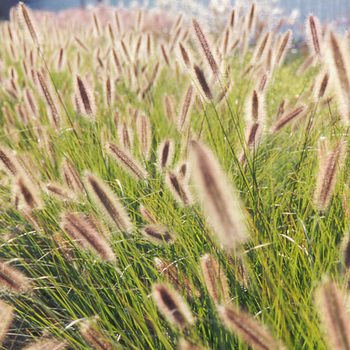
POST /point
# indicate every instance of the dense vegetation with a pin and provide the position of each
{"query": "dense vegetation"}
(159, 191)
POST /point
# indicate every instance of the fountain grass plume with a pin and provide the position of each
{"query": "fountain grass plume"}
(109, 204)
(172, 306)
(248, 329)
(219, 200)
(331, 303)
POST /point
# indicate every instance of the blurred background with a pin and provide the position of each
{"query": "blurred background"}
(326, 10)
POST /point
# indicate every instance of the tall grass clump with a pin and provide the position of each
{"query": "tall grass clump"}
(169, 184)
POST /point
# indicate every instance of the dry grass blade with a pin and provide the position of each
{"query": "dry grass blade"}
(171, 305)
(219, 201)
(250, 330)
(331, 302)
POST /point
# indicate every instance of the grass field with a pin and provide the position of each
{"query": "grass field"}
(171, 189)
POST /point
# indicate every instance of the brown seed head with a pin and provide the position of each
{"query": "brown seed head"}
(108, 203)
(332, 305)
(250, 330)
(218, 199)
(172, 306)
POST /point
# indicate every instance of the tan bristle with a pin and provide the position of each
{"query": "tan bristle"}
(6, 318)
(185, 56)
(218, 199)
(93, 336)
(332, 305)
(117, 62)
(165, 55)
(143, 126)
(328, 174)
(111, 33)
(130, 165)
(149, 45)
(165, 153)
(109, 91)
(8, 162)
(322, 83)
(27, 22)
(29, 194)
(252, 138)
(147, 215)
(173, 275)
(249, 329)
(202, 81)
(158, 234)
(232, 19)
(339, 63)
(283, 48)
(78, 229)
(109, 203)
(138, 46)
(126, 138)
(86, 100)
(71, 176)
(59, 191)
(251, 19)
(30, 101)
(280, 110)
(47, 94)
(206, 48)
(185, 108)
(172, 306)
(118, 22)
(305, 65)
(168, 108)
(46, 344)
(32, 220)
(262, 48)
(287, 118)
(313, 31)
(187, 345)
(125, 50)
(81, 44)
(178, 189)
(13, 280)
(215, 280)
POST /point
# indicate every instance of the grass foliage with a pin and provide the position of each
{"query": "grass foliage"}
(272, 275)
